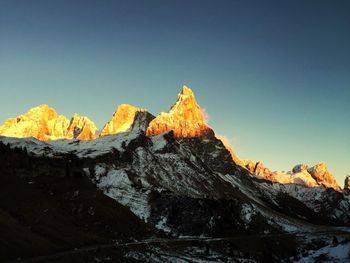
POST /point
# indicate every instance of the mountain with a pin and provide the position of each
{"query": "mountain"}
(176, 187)
(186, 119)
(315, 176)
(81, 128)
(47, 207)
(347, 183)
(43, 123)
(124, 119)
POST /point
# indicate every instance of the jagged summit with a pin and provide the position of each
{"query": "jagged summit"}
(317, 175)
(81, 127)
(186, 91)
(125, 118)
(347, 183)
(185, 118)
(43, 123)
(322, 176)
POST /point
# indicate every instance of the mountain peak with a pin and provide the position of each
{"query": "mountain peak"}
(185, 118)
(81, 128)
(186, 91)
(40, 122)
(347, 183)
(322, 176)
(122, 119)
(43, 123)
(41, 106)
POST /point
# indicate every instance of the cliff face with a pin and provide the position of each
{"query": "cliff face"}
(185, 118)
(317, 175)
(347, 183)
(82, 128)
(124, 118)
(43, 123)
(322, 176)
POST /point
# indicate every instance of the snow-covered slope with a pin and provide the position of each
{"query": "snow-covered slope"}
(167, 171)
(148, 173)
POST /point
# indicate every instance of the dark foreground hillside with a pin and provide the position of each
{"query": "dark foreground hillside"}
(52, 210)
(45, 208)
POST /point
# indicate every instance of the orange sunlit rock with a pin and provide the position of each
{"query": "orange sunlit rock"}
(347, 183)
(323, 177)
(185, 118)
(317, 175)
(82, 128)
(122, 120)
(43, 123)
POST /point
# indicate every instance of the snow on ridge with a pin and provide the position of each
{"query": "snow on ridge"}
(32, 145)
(116, 184)
(159, 142)
(81, 148)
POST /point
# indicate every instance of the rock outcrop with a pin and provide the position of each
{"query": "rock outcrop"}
(82, 128)
(317, 175)
(126, 118)
(323, 177)
(43, 123)
(347, 183)
(258, 169)
(185, 118)
(300, 175)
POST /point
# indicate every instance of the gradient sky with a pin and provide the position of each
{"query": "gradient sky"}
(273, 76)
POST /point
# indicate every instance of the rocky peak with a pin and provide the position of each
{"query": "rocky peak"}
(300, 168)
(323, 177)
(185, 118)
(81, 127)
(123, 120)
(257, 168)
(347, 183)
(317, 175)
(41, 122)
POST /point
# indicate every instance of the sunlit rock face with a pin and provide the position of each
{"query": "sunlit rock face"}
(82, 128)
(126, 118)
(186, 119)
(300, 175)
(347, 183)
(315, 176)
(43, 123)
(258, 169)
(323, 177)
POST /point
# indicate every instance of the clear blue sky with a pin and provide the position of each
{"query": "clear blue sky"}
(274, 76)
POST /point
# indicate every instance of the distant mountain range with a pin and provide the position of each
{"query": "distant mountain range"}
(167, 181)
(185, 119)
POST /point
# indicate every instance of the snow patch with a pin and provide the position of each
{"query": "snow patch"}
(117, 185)
(161, 225)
